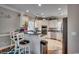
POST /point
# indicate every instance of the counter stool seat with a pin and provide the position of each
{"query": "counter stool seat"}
(24, 42)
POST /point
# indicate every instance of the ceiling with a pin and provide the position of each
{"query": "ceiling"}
(44, 10)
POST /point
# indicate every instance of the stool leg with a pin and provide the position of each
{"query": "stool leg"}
(15, 49)
(11, 42)
(29, 50)
(19, 51)
(25, 50)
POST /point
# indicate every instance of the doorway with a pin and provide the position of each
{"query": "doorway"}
(58, 44)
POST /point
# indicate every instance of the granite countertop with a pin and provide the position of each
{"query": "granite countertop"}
(54, 30)
(32, 33)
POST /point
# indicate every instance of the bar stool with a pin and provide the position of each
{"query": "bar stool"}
(14, 39)
(23, 43)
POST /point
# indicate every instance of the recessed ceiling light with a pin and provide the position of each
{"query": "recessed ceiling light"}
(42, 13)
(27, 10)
(59, 8)
(39, 5)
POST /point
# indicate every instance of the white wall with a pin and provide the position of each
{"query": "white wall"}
(73, 28)
(7, 25)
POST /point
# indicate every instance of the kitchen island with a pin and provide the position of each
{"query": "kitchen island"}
(34, 42)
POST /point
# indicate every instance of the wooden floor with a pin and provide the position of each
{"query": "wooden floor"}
(7, 48)
(53, 52)
(50, 52)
